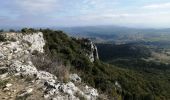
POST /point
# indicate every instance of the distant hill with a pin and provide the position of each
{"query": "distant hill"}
(118, 34)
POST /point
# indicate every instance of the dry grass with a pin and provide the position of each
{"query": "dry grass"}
(45, 63)
(19, 85)
(61, 71)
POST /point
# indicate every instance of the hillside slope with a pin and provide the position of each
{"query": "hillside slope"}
(63, 55)
(117, 82)
(20, 78)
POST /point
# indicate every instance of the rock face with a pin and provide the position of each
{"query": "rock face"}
(93, 52)
(36, 40)
(15, 60)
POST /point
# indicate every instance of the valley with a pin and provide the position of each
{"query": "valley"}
(127, 71)
(85, 50)
(141, 51)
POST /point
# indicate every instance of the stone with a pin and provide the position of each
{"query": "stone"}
(29, 90)
(69, 88)
(24, 69)
(36, 40)
(75, 78)
(17, 55)
(4, 76)
(1, 56)
(6, 89)
(9, 94)
(14, 90)
(61, 97)
(90, 93)
(45, 76)
(26, 92)
(8, 85)
(46, 96)
(117, 84)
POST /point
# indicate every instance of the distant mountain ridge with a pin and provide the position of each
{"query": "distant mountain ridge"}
(118, 33)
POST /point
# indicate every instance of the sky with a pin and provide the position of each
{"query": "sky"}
(68, 13)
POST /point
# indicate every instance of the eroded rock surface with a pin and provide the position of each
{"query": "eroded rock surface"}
(93, 54)
(15, 60)
(75, 78)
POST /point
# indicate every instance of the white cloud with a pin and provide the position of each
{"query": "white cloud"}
(154, 19)
(37, 6)
(158, 6)
(81, 12)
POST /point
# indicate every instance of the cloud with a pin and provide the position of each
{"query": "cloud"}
(154, 19)
(158, 6)
(36, 6)
(82, 12)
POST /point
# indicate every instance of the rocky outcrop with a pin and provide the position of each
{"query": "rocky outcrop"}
(92, 50)
(36, 40)
(15, 60)
(75, 78)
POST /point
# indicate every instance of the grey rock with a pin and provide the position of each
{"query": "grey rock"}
(26, 92)
(8, 85)
(17, 55)
(75, 78)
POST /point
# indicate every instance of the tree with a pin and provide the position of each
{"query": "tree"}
(28, 30)
(1, 30)
(11, 30)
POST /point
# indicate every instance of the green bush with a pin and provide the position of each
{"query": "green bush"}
(135, 84)
(3, 83)
(2, 38)
(28, 30)
(1, 30)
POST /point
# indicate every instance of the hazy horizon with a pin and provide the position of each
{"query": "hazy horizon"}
(64, 13)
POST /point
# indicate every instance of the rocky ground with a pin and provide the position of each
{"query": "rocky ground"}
(20, 79)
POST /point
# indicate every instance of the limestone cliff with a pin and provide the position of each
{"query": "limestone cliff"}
(92, 52)
(24, 81)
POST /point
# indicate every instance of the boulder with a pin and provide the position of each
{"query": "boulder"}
(28, 70)
(25, 92)
(75, 78)
(36, 41)
(90, 93)
(69, 88)
(45, 76)
(8, 85)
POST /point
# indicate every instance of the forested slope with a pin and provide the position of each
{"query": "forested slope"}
(141, 85)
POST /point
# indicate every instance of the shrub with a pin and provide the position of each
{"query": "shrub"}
(2, 38)
(44, 62)
(12, 30)
(28, 30)
(62, 72)
(1, 30)
(3, 83)
(135, 84)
